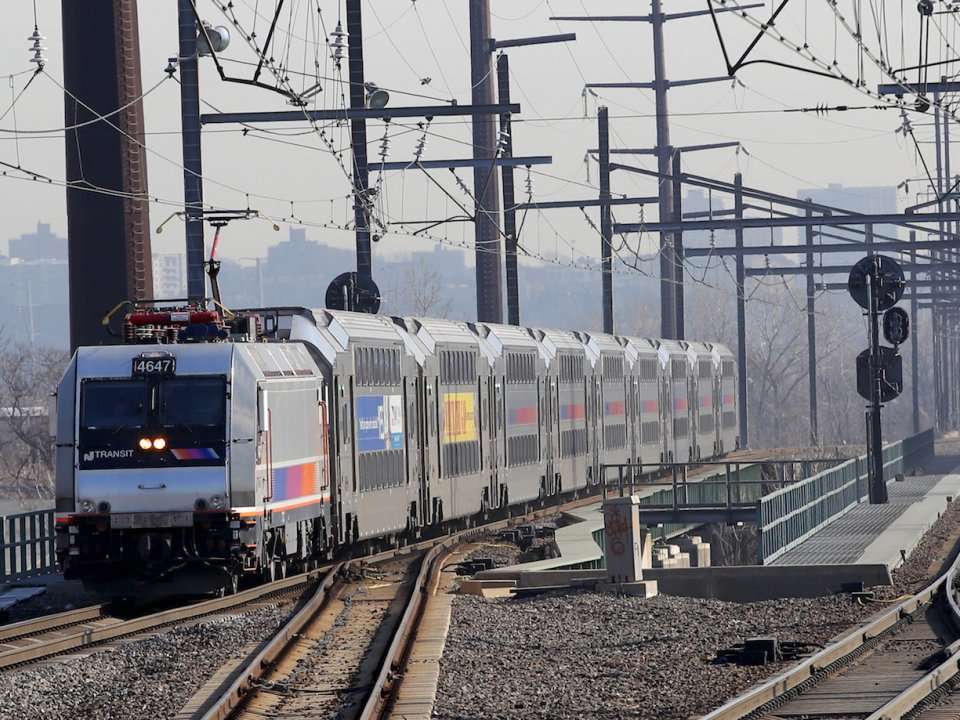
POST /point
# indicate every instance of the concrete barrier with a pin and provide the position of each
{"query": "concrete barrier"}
(743, 583)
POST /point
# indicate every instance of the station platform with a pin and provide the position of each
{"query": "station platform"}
(883, 534)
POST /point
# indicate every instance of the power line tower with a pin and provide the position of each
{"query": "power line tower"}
(671, 268)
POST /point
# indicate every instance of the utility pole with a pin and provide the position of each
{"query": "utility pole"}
(669, 272)
(811, 336)
(358, 142)
(914, 359)
(668, 261)
(606, 224)
(192, 157)
(952, 344)
(486, 222)
(940, 369)
(878, 488)
(741, 314)
(677, 193)
(509, 198)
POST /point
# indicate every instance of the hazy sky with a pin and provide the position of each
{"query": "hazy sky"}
(407, 42)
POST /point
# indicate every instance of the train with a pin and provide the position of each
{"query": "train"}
(213, 447)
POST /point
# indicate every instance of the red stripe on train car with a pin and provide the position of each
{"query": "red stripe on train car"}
(615, 408)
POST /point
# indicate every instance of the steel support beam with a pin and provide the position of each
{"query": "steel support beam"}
(901, 89)
(593, 202)
(845, 269)
(484, 164)
(811, 339)
(741, 318)
(914, 358)
(536, 40)
(192, 158)
(908, 220)
(678, 245)
(509, 201)
(824, 248)
(748, 223)
(606, 221)
(358, 142)
(387, 113)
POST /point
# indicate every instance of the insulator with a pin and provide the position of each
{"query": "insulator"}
(37, 48)
(338, 45)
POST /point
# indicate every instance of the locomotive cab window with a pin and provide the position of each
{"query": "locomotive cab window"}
(193, 402)
(157, 421)
(114, 404)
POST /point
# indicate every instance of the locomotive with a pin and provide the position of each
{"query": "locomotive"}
(212, 447)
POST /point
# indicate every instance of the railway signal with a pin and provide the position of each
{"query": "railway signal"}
(876, 283)
(354, 292)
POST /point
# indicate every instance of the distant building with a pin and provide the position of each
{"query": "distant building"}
(169, 276)
(868, 199)
(39, 245)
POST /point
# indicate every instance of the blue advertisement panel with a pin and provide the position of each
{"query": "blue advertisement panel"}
(371, 423)
(379, 422)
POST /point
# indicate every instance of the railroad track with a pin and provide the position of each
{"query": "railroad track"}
(342, 653)
(34, 640)
(905, 663)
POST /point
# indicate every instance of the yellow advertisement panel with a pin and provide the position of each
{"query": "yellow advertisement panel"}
(459, 414)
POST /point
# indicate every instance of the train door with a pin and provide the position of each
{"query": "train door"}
(666, 415)
(344, 462)
(423, 450)
(488, 418)
(717, 409)
(693, 410)
(545, 391)
(497, 442)
(555, 395)
(594, 427)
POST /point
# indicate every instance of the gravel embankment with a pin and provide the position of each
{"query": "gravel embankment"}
(143, 679)
(595, 655)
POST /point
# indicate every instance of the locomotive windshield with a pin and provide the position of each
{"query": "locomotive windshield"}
(155, 421)
(114, 404)
(192, 402)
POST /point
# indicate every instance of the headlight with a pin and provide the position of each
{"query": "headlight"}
(145, 443)
(103, 507)
(218, 502)
(86, 506)
(159, 443)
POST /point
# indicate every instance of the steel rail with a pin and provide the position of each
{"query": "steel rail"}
(46, 623)
(390, 677)
(224, 705)
(84, 636)
(848, 647)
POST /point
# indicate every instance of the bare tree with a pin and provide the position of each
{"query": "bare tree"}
(419, 290)
(28, 376)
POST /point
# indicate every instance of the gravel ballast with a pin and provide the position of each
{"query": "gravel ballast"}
(596, 655)
(152, 677)
(585, 654)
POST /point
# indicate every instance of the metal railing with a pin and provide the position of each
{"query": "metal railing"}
(790, 515)
(27, 545)
(735, 483)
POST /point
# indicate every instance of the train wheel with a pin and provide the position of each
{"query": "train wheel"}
(232, 586)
